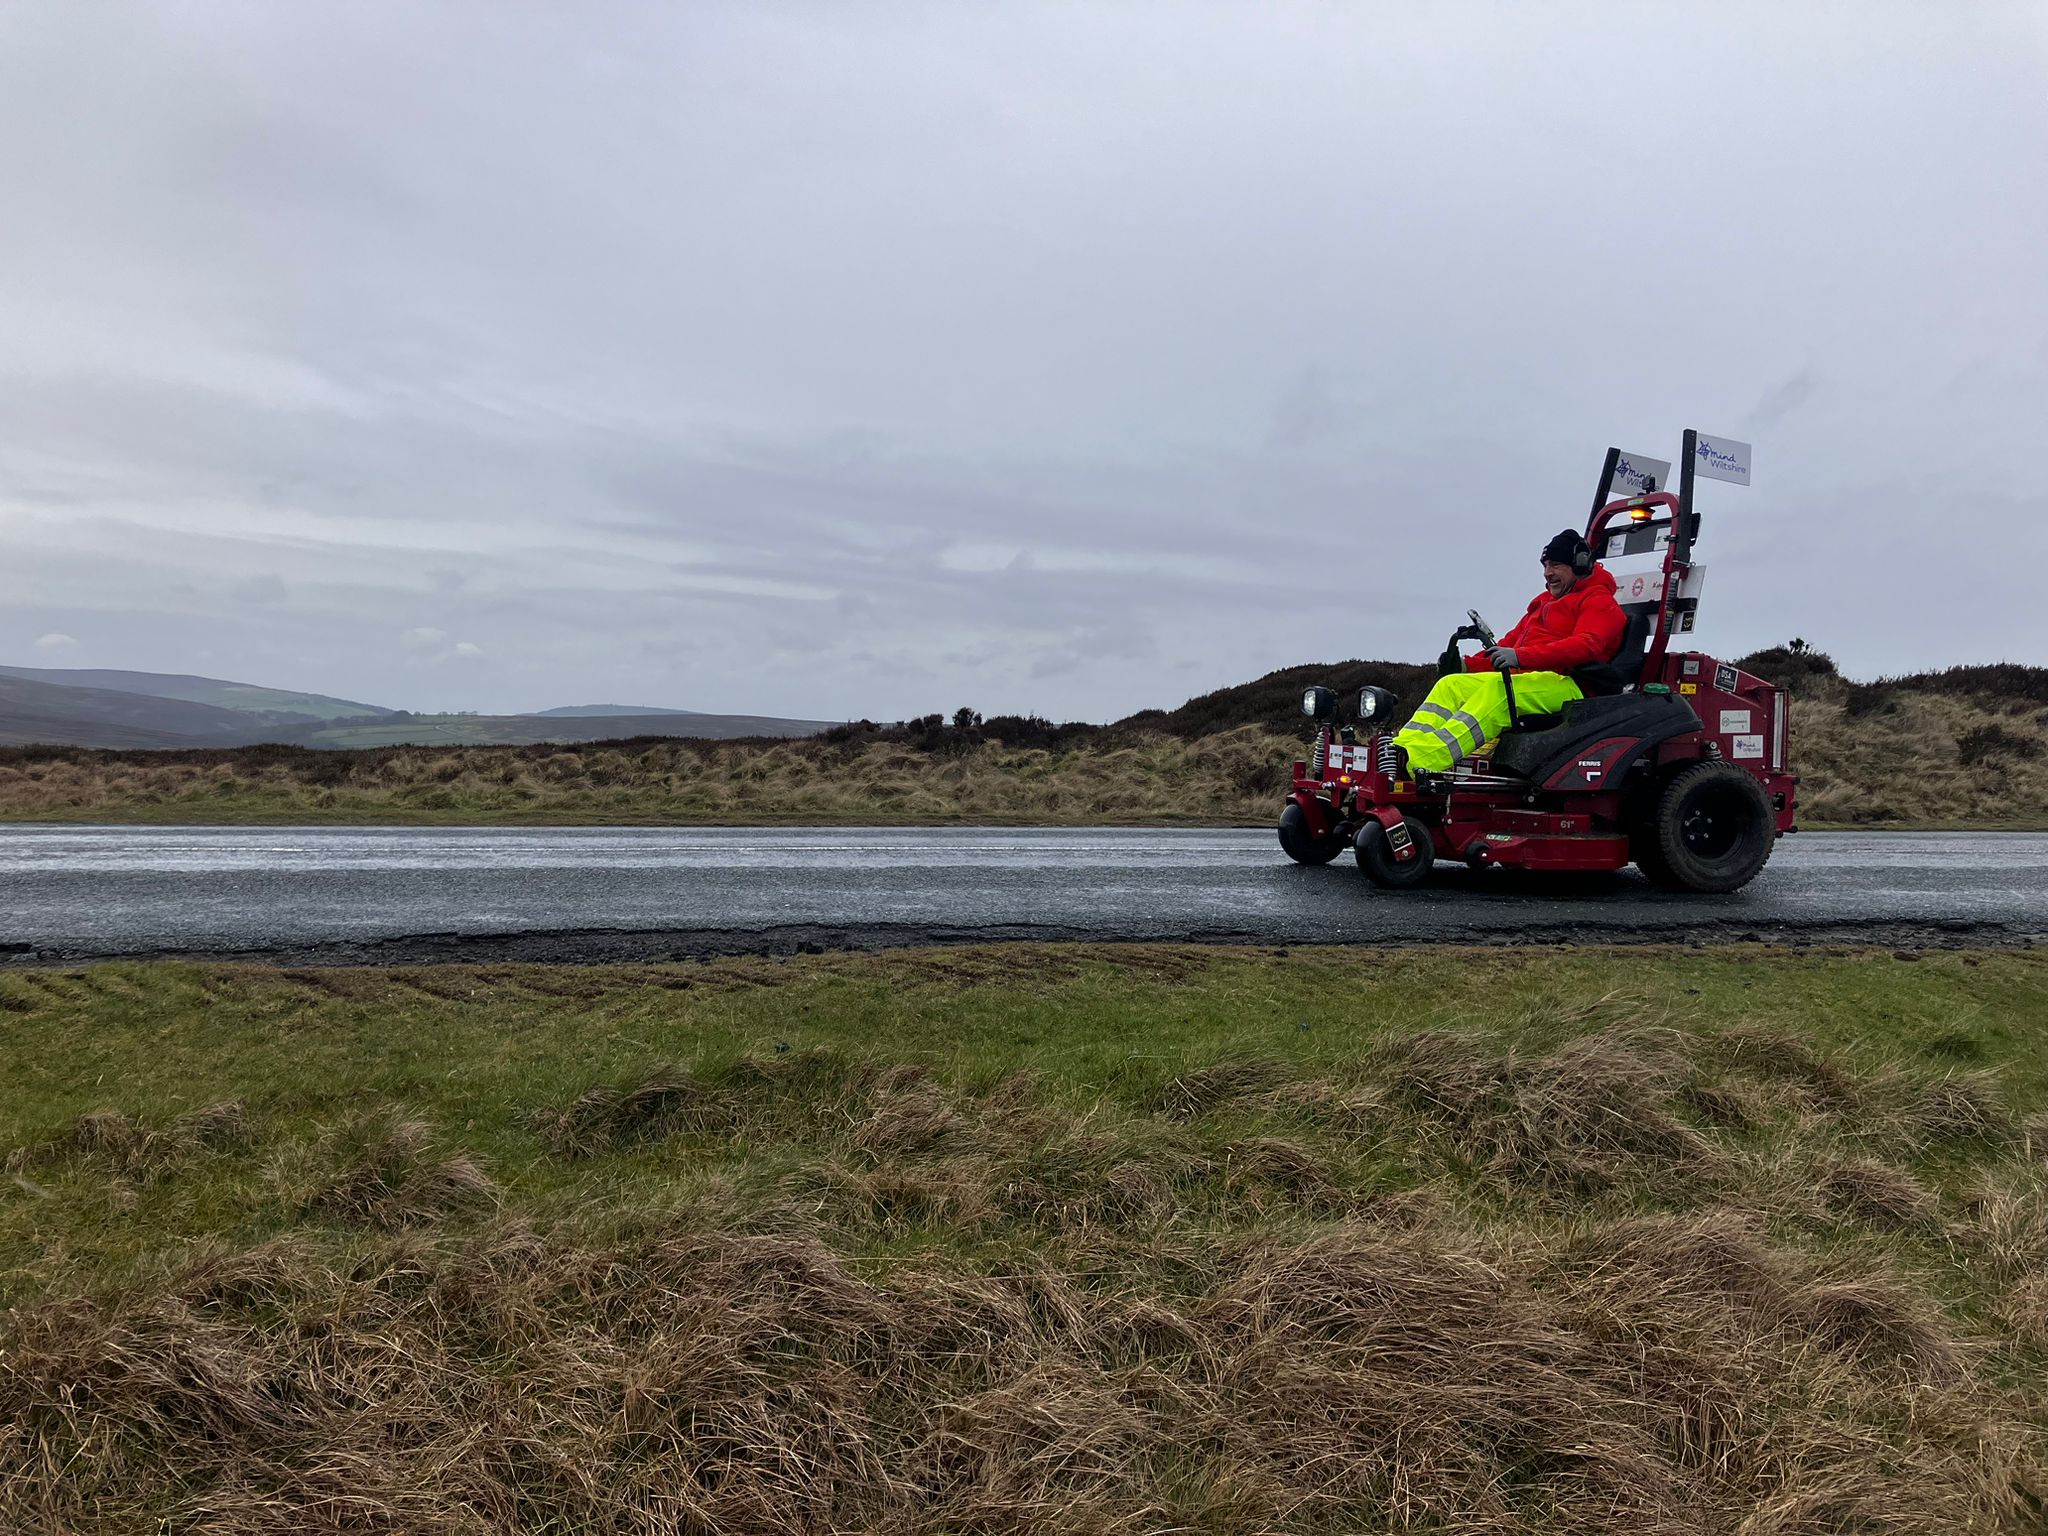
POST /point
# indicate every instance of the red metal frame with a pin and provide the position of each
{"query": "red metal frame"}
(1675, 569)
(1561, 825)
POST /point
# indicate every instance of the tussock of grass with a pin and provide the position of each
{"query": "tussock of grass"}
(109, 1139)
(1875, 1192)
(1952, 1109)
(1504, 1275)
(1581, 1118)
(385, 1170)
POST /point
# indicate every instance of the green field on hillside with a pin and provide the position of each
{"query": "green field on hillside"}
(1078, 1238)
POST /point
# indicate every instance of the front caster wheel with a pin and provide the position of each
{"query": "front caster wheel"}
(1302, 845)
(1376, 855)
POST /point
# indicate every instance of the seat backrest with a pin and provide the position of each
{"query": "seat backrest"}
(1634, 554)
(1626, 670)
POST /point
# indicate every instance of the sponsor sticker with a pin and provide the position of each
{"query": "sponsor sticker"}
(1749, 746)
(1734, 721)
(1692, 666)
(1724, 677)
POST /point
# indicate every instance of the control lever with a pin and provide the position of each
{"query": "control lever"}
(1485, 634)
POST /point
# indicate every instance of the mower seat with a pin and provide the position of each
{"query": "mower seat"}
(1538, 753)
(1600, 679)
(1605, 679)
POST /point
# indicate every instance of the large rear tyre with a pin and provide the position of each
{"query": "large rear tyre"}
(1376, 856)
(1711, 832)
(1302, 845)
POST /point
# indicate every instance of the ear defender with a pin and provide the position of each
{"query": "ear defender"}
(1570, 548)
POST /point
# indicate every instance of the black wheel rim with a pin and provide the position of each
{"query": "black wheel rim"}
(1712, 822)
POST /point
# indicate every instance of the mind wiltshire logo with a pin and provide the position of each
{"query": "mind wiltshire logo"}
(1714, 459)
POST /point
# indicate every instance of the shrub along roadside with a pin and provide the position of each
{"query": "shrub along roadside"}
(1086, 1238)
(1959, 748)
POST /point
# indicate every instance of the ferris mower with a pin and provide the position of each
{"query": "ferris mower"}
(1673, 760)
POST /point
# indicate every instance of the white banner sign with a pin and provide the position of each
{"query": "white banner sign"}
(1637, 474)
(1722, 458)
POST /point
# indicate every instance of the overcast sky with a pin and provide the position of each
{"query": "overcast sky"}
(867, 359)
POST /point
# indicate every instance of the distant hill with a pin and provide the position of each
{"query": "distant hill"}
(92, 707)
(526, 730)
(34, 713)
(276, 706)
(579, 711)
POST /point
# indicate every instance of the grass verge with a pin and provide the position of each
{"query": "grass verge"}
(1052, 1238)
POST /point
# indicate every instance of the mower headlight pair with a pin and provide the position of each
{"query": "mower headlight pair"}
(1374, 704)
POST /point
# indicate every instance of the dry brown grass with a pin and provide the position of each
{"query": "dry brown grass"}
(1120, 779)
(1912, 760)
(1473, 1282)
(1664, 1375)
(1920, 757)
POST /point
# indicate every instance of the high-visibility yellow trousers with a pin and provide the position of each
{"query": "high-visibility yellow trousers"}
(1467, 710)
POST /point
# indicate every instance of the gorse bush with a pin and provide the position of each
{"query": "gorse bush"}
(1983, 742)
(1797, 667)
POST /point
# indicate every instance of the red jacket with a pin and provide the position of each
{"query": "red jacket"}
(1583, 626)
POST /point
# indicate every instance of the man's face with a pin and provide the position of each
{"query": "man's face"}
(1558, 579)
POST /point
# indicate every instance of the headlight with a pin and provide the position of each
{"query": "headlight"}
(1320, 703)
(1377, 705)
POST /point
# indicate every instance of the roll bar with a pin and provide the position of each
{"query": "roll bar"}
(1677, 554)
(1682, 517)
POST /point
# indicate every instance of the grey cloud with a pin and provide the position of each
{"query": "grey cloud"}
(260, 590)
(1780, 401)
(867, 363)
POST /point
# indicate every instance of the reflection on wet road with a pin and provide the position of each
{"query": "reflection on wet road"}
(110, 890)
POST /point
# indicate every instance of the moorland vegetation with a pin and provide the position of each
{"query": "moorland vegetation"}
(1957, 748)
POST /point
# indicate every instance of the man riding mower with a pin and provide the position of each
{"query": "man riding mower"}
(1580, 740)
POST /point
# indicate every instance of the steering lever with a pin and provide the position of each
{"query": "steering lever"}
(1484, 633)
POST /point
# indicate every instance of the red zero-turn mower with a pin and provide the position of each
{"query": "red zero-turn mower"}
(1673, 760)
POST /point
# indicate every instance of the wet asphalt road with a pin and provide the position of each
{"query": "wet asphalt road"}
(585, 894)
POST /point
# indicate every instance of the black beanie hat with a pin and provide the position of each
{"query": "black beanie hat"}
(1564, 549)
